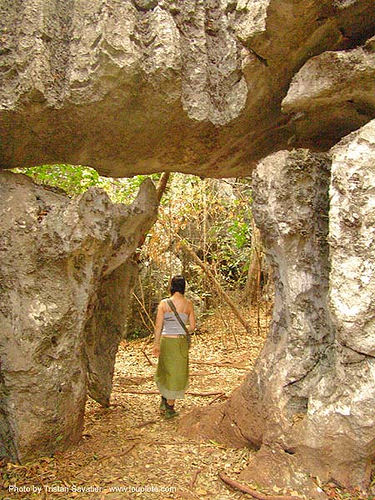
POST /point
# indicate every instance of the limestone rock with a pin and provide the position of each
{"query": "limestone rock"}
(55, 253)
(105, 329)
(290, 208)
(334, 91)
(308, 404)
(342, 406)
(138, 86)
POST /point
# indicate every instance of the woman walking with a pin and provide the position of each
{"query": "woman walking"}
(171, 345)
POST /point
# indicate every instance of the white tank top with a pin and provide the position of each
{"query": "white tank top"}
(171, 325)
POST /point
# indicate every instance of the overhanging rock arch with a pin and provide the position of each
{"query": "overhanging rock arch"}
(210, 87)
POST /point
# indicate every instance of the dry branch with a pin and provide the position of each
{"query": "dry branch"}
(148, 359)
(162, 185)
(201, 394)
(140, 392)
(223, 363)
(254, 493)
(204, 394)
(117, 455)
(219, 396)
(228, 327)
(160, 190)
(145, 310)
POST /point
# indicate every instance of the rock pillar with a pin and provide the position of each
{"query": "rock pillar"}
(57, 256)
(308, 404)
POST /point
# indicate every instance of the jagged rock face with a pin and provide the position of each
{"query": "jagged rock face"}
(136, 86)
(333, 92)
(290, 208)
(342, 407)
(57, 255)
(308, 404)
(105, 329)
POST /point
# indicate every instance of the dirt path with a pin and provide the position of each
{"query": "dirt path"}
(128, 446)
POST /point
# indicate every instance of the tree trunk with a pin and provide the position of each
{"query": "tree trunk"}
(250, 293)
(308, 404)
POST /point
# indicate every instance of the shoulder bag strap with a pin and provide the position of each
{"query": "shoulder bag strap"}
(172, 306)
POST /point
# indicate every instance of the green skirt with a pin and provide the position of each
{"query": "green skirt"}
(172, 374)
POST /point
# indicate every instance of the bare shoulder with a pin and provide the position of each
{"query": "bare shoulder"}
(190, 305)
(162, 305)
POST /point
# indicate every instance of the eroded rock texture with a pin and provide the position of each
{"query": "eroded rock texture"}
(62, 261)
(308, 404)
(132, 86)
(105, 329)
(342, 407)
(290, 208)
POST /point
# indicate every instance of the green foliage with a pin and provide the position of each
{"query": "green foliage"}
(76, 179)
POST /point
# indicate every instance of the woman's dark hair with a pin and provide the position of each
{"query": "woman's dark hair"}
(178, 284)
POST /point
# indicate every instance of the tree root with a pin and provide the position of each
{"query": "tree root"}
(253, 493)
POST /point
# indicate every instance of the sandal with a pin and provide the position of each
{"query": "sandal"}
(163, 404)
(170, 412)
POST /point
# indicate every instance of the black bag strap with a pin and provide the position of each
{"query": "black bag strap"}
(172, 306)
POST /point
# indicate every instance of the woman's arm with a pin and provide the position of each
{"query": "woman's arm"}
(192, 322)
(158, 328)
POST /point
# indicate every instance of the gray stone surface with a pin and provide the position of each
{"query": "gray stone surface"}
(290, 208)
(105, 329)
(57, 255)
(341, 408)
(132, 86)
(308, 404)
(335, 90)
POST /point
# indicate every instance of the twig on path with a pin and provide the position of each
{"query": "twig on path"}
(218, 397)
(194, 478)
(139, 392)
(204, 394)
(254, 493)
(148, 359)
(201, 394)
(143, 424)
(227, 364)
(117, 455)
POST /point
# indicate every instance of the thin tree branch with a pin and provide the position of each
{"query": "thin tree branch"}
(217, 285)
